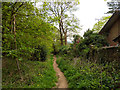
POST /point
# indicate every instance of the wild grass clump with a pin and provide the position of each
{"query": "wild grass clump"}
(35, 74)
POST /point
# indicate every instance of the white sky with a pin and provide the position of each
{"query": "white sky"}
(89, 10)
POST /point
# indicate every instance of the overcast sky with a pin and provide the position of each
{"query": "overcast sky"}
(89, 11)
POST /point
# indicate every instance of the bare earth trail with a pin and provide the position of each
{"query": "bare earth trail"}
(62, 82)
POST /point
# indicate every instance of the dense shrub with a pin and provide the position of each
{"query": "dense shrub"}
(64, 50)
(40, 53)
(43, 53)
(87, 75)
(55, 49)
(89, 41)
(28, 32)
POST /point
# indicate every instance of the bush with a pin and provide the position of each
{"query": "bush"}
(40, 53)
(63, 50)
(43, 53)
(90, 40)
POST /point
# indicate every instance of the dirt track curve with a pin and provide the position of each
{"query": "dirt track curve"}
(62, 82)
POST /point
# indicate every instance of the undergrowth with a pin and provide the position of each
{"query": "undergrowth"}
(35, 74)
(88, 75)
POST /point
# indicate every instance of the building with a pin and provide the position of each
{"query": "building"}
(111, 29)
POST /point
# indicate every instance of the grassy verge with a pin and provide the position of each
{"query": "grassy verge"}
(87, 75)
(36, 74)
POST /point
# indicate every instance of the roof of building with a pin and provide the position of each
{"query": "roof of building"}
(110, 22)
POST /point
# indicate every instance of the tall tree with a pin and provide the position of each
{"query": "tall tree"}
(71, 24)
(14, 10)
(58, 13)
(23, 31)
(113, 5)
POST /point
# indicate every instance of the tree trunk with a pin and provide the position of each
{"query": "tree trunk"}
(61, 38)
(61, 27)
(61, 35)
(66, 38)
(54, 49)
(18, 66)
(11, 24)
(15, 34)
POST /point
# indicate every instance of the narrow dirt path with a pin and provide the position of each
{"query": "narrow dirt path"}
(62, 82)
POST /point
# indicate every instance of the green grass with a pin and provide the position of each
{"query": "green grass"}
(87, 75)
(36, 74)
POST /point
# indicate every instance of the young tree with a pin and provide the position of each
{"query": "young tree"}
(71, 24)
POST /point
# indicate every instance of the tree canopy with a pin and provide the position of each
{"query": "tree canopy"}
(58, 13)
(24, 29)
(113, 5)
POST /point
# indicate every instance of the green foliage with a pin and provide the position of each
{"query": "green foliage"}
(86, 75)
(99, 25)
(56, 44)
(90, 40)
(94, 39)
(77, 39)
(39, 54)
(57, 13)
(35, 74)
(26, 35)
(43, 53)
(63, 50)
(31, 31)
